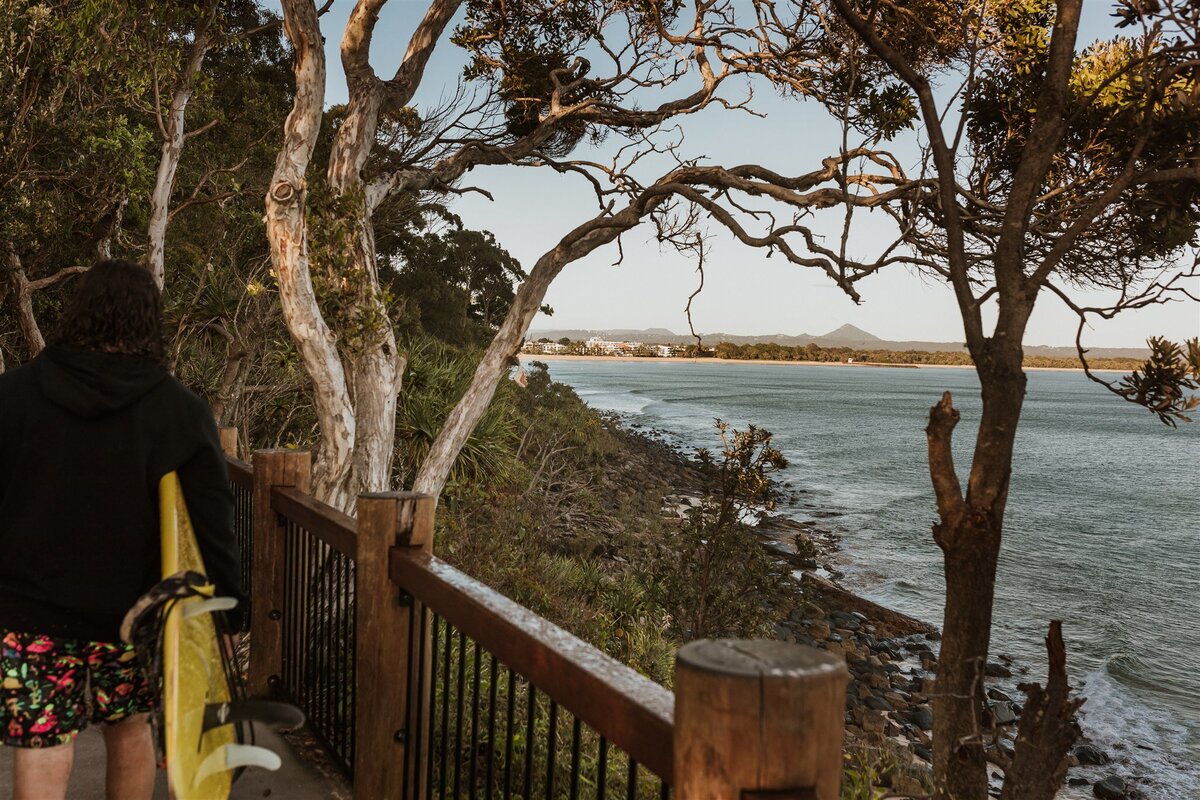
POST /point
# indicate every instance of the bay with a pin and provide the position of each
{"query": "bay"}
(1101, 529)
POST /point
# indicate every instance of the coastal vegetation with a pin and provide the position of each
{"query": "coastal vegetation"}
(813, 353)
(361, 318)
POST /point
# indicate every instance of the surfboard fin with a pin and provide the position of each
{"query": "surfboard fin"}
(264, 712)
(236, 756)
(208, 606)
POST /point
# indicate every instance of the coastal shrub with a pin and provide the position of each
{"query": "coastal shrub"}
(710, 574)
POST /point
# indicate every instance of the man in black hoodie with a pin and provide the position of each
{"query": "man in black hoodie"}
(87, 429)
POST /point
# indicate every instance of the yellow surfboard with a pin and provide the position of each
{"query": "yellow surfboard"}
(199, 761)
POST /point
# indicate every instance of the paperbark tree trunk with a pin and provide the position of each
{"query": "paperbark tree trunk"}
(22, 291)
(436, 468)
(287, 236)
(173, 133)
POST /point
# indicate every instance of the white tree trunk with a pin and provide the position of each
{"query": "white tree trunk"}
(435, 469)
(286, 234)
(173, 135)
(23, 297)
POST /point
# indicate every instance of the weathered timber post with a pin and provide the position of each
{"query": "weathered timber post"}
(387, 634)
(271, 468)
(229, 441)
(758, 719)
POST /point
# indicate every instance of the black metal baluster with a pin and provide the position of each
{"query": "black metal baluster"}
(575, 734)
(458, 712)
(631, 789)
(325, 616)
(551, 750)
(602, 769)
(409, 724)
(508, 737)
(416, 731)
(352, 662)
(530, 716)
(445, 715)
(336, 687)
(474, 719)
(435, 640)
(348, 657)
(493, 675)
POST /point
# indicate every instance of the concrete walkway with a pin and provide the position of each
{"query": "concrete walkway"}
(295, 780)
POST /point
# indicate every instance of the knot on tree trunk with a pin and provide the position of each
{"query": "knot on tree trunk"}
(283, 192)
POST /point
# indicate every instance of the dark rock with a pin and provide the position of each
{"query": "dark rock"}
(993, 669)
(877, 703)
(996, 694)
(923, 751)
(1111, 788)
(1090, 754)
(1077, 781)
(934, 636)
(1003, 713)
(922, 717)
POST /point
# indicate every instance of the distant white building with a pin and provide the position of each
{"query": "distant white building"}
(599, 345)
(543, 347)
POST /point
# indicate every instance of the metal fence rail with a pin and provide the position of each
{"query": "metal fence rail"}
(486, 731)
(241, 482)
(505, 704)
(318, 620)
(423, 683)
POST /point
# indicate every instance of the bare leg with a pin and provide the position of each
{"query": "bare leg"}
(130, 759)
(42, 773)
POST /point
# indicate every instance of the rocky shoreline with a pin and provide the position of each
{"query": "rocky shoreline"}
(892, 657)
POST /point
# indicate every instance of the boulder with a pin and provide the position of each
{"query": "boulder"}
(877, 703)
(1090, 754)
(819, 630)
(1003, 713)
(1111, 788)
(996, 694)
(994, 669)
(922, 717)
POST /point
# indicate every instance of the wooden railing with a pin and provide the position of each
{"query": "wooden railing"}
(422, 682)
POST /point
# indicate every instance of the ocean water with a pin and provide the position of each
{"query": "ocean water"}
(1102, 529)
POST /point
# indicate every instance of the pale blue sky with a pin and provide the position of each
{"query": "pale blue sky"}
(745, 292)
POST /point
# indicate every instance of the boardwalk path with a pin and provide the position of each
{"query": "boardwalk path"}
(296, 780)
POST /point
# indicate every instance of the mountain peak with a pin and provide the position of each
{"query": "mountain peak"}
(849, 333)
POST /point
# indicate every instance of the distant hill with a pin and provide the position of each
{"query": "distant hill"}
(845, 336)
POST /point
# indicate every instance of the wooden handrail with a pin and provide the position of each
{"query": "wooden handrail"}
(323, 521)
(240, 472)
(633, 712)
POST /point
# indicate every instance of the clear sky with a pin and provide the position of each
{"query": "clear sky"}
(745, 292)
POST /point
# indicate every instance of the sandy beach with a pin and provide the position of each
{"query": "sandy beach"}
(878, 365)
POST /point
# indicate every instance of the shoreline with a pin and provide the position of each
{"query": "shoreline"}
(891, 657)
(777, 362)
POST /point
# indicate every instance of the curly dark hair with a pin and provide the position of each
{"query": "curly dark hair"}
(117, 307)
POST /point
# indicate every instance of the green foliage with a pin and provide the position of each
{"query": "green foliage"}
(344, 290)
(529, 49)
(436, 378)
(1163, 383)
(868, 772)
(456, 285)
(711, 575)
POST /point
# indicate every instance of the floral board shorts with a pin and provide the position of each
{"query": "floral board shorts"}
(50, 688)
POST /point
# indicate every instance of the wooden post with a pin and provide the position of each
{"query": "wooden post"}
(758, 717)
(271, 468)
(229, 441)
(388, 625)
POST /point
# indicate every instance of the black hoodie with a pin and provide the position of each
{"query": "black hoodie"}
(84, 439)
